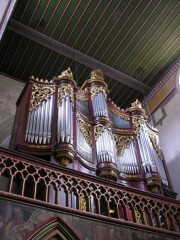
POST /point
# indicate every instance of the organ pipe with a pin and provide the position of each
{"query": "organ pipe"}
(65, 129)
(38, 129)
(84, 142)
(99, 105)
(71, 123)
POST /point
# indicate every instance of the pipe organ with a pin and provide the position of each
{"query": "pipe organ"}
(82, 129)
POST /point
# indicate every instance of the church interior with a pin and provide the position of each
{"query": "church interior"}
(89, 120)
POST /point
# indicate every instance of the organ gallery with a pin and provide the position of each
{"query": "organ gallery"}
(77, 150)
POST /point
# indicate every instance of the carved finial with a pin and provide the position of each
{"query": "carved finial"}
(97, 75)
(65, 74)
(136, 104)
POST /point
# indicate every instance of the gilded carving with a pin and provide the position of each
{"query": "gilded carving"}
(120, 114)
(63, 91)
(137, 216)
(153, 138)
(96, 89)
(82, 97)
(99, 128)
(97, 75)
(122, 142)
(136, 106)
(85, 129)
(67, 74)
(83, 205)
(137, 122)
(40, 93)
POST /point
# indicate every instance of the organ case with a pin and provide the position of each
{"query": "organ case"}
(82, 129)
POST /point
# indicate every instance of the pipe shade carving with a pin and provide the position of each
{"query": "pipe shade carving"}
(82, 129)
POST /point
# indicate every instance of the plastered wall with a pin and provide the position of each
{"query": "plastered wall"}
(10, 90)
(164, 113)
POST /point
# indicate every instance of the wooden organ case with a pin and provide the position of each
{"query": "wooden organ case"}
(81, 129)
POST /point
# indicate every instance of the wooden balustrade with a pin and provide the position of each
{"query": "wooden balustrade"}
(40, 182)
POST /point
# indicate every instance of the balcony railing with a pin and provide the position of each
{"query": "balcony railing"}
(40, 180)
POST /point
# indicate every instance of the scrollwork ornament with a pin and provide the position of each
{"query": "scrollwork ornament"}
(96, 89)
(83, 205)
(138, 216)
(85, 129)
(122, 142)
(40, 93)
(137, 122)
(63, 91)
(120, 114)
(153, 138)
(82, 97)
(99, 128)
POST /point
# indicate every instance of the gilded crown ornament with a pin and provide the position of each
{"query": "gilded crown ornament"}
(97, 75)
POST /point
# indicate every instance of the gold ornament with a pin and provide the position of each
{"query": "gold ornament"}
(85, 129)
(96, 89)
(63, 91)
(153, 138)
(99, 128)
(97, 75)
(83, 205)
(40, 92)
(138, 216)
(122, 142)
(137, 122)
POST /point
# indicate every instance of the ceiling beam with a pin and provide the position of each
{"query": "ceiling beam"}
(71, 53)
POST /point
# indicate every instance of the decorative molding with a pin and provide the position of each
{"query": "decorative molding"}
(153, 138)
(99, 128)
(122, 142)
(162, 82)
(161, 106)
(63, 90)
(119, 113)
(96, 89)
(137, 122)
(40, 93)
(77, 56)
(85, 129)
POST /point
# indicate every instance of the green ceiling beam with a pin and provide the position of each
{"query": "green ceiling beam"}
(71, 53)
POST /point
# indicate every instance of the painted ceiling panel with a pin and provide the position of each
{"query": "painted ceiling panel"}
(138, 38)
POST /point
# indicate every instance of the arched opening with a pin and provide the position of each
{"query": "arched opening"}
(104, 206)
(17, 184)
(122, 211)
(73, 199)
(56, 229)
(41, 190)
(63, 197)
(94, 208)
(113, 209)
(5, 180)
(29, 187)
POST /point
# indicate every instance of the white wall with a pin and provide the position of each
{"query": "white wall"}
(169, 134)
(10, 90)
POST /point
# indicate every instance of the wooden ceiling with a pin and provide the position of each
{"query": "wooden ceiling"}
(133, 42)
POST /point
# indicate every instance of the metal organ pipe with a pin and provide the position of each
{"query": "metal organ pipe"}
(105, 149)
(83, 148)
(42, 122)
(150, 158)
(99, 105)
(65, 130)
(128, 160)
(159, 164)
(39, 123)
